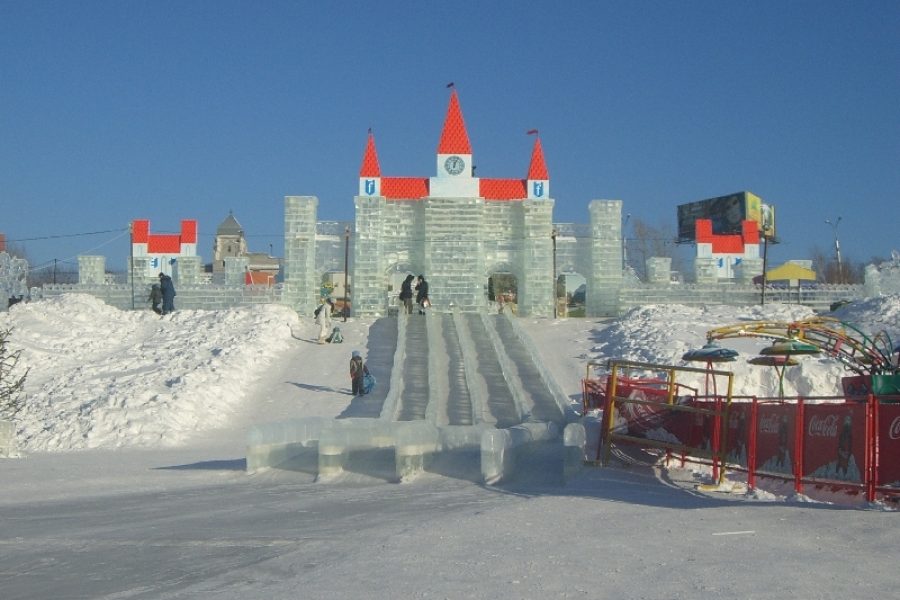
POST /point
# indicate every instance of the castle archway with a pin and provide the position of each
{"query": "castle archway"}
(502, 288)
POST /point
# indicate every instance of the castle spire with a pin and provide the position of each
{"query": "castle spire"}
(454, 138)
(370, 167)
(538, 168)
(538, 178)
(370, 171)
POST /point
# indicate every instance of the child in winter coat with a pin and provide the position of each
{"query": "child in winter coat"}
(155, 298)
(358, 372)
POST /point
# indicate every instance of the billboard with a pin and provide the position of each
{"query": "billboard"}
(726, 214)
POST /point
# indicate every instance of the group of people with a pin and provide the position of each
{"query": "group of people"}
(162, 293)
(421, 289)
(359, 372)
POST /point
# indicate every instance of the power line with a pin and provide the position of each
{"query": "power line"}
(64, 235)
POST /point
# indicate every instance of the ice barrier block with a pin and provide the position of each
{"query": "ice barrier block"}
(8, 439)
(342, 436)
(416, 442)
(574, 440)
(499, 447)
(462, 436)
(271, 444)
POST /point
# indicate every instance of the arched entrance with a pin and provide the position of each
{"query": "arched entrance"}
(571, 290)
(395, 275)
(502, 292)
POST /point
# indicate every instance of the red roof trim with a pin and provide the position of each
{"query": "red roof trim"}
(726, 243)
(164, 244)
(502, 189)
(404, 188)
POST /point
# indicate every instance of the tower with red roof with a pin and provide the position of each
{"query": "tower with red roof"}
(158, 252)
(455, 227)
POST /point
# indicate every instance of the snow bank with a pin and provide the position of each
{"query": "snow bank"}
(102, 377)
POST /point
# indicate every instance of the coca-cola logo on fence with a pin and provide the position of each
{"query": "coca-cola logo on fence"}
(769, 424)
(894, 431)
(823, 427)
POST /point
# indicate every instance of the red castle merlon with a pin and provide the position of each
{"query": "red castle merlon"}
(454, 140)
(162, 243)
(727, 243)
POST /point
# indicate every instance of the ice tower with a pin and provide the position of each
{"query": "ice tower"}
(455, 228)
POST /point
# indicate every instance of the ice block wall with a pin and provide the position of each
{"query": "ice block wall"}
(605, 279)
(301, 288)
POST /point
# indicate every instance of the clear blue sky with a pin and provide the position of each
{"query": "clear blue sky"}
(120, 110)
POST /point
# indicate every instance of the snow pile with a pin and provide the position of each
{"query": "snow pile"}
(661, 334)
(102, 377)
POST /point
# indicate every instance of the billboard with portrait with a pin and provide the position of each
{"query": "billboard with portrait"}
(726, 213)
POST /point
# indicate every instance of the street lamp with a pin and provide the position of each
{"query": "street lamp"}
(624, 245)
(837, 247)
(553, 235)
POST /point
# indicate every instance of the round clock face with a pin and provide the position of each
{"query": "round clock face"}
(454, 165)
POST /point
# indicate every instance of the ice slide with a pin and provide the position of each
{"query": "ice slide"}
(459, 382)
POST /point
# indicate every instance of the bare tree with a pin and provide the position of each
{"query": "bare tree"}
(11, 383)
(829, 271)
(649, 241)
(54, 271)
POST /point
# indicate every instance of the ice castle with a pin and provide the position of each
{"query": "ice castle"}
(458, 230)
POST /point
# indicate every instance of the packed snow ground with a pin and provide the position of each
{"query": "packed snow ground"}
(131, 480)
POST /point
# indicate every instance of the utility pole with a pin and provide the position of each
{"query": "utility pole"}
(837, 247)
(131, 258)
(346, 310)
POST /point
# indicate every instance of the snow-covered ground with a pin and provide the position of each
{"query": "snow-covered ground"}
(131, 482)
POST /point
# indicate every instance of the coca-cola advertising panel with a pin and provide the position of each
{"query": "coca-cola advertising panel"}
(834, 441)
(702, 425)
(889, 444)
(738, 433)
(651, 421)
(775, 438)
(857, 387)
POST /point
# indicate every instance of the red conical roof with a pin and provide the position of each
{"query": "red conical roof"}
(538, 168)
(454, 139)
(370, 166)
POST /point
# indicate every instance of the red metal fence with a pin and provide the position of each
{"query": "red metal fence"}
(846, 444)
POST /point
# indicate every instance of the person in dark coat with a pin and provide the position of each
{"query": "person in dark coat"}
(155, 298)
(422, 295)
(406, 293)
(358, 372)
(168, 293)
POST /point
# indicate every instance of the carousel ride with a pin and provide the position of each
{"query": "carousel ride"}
(870, 358)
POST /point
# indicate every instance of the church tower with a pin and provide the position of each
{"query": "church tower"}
(229, 242)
